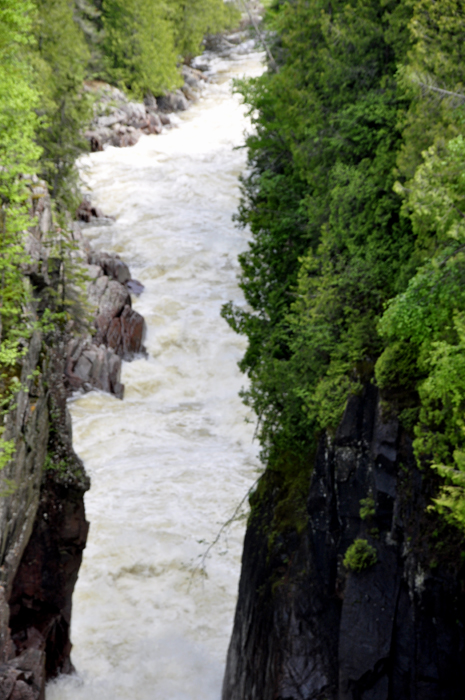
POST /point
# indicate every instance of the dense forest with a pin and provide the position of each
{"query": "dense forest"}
(355, 197)
(49, 51)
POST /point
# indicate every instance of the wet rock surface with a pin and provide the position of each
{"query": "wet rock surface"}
(305, 627)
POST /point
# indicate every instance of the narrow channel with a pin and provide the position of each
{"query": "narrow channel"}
(171, 462)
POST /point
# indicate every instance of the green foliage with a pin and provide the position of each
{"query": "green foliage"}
(18, 157)
(7, 452)
(61, 65)
(397, 365)
(329, 244)
(359, 556)
(144, 40)
(451, 500)
(193, 19)
(429, 317)
(355, 199)
(139, 46)
(51, 464)
(367, 508)
(67, 307)
(434, 71)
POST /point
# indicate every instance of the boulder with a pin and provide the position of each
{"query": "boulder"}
(135, 287)
(118, 115)
(24, 677)
(192, 77)
(120, 123)
(95, 363)
(92, 366)
(87, 211)
(96, 290)
(134, 112)
(125, 334)
(114, 267)
(150, 102)
(173, 102)
(154, 124)
(124, 136)
(83, 369)
(114, 299)
(132, 332)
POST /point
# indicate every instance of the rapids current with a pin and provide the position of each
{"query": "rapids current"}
(171, 462)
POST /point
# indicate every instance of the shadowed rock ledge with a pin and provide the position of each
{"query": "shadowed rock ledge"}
(306, 628)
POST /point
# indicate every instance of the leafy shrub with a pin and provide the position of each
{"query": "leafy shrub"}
(360, 555)
(367, 508)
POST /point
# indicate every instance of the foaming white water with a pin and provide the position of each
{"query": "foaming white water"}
(171, 462)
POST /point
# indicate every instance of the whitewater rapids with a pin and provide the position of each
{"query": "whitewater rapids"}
(171, 462)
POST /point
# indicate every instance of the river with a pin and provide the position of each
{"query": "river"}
(171, 462)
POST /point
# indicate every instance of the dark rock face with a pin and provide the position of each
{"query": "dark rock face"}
(40, 602)
(87, 212)
(44, 530)
(307, 629)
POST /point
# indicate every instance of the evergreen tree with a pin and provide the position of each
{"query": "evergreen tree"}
(193, 19)
(322, 163)
(355, 200)
(139, 46)
(61, 67)
(18, 161)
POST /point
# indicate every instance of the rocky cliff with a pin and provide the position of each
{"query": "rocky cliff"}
(309, 628)
(43, 529)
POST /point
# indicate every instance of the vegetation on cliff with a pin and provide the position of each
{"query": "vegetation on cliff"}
(355, 200)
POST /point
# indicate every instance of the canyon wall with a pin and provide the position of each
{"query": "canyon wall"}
(43, 529)
(306, 627)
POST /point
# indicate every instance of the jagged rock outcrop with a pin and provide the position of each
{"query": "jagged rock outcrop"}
(93, 355)
(308, 629)
(119, 122)
(94, 361)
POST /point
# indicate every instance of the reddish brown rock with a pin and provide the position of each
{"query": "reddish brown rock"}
(95, 140)
(86, 212)
(40, 603)
(113, 336)
(132, 331)
(125, 334)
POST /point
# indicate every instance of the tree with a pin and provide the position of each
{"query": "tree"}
(139, 46)
(61, 64)
(329, 244)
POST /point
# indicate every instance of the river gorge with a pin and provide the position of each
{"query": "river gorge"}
(171, 462)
